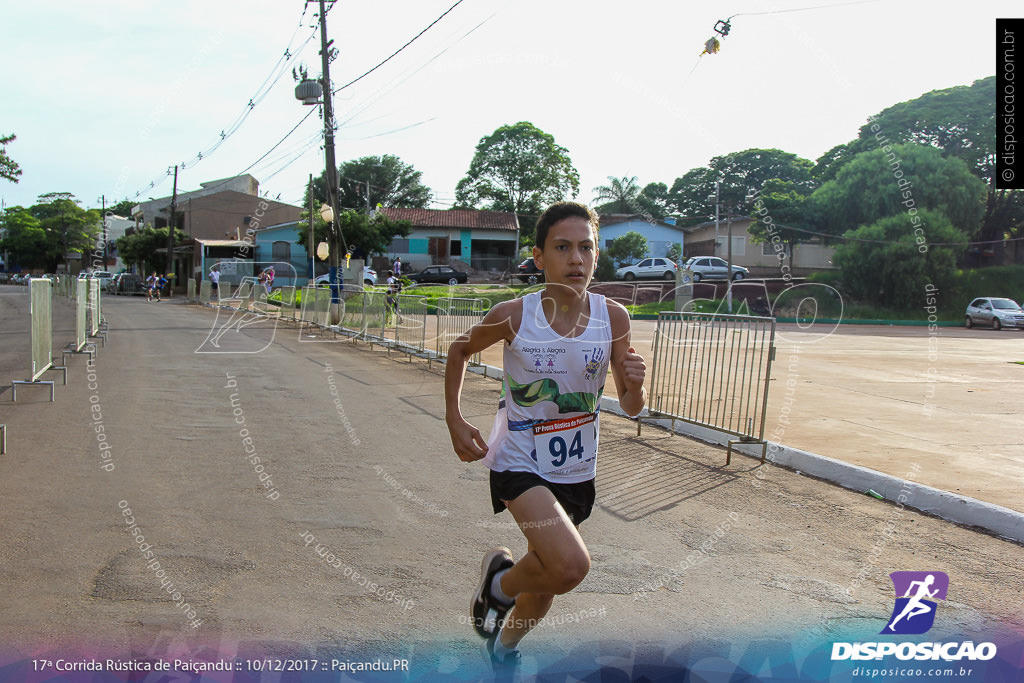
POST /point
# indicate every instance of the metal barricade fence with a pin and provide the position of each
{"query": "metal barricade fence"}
(40, 336)
(94, 307)
(244, 292)
(306, 313)
(352, 319)
(316, 306)
(287, 309)
(713, 370)
(454, 318)
(223, 292)
(40, 308)
(81, 331)
(374, 313)
(259, 300)
(323, 307)
(410, 322)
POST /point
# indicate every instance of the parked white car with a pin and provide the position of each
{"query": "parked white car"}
(369, 278)
(660, 268)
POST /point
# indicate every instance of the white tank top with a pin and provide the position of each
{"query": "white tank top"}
(547, 420)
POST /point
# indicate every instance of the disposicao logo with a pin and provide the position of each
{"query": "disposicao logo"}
(916, 592)
(914, 614)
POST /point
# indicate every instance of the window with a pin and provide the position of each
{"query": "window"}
(456, 249)
(645, 263)
(281, 251)
(767, 249)
(400, 245)
(739, 245)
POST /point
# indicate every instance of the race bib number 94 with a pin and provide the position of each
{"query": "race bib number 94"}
(563, 444)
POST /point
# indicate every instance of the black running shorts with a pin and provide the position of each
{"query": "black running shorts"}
(576, 499)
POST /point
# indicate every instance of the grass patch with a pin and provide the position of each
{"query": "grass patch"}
(1003, 281)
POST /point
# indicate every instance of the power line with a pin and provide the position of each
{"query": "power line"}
(411, 40)
(276, 72)
(803, 9)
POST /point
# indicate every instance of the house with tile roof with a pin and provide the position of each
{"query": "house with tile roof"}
(482, 240)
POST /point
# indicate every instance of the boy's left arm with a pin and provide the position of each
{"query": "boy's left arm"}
(628, 367)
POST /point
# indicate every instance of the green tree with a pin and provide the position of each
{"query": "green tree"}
(122, 208)
(739, 174)
(9, 169)
(883, 263)
(675, 251)
(139, 248)
(24, 239)
(605, 271)
(895, 180)
(782, 213)
(654, 200)
(619, 195)
(960, 121)
(70, 228)
(391, 183)
(518, 168)
(364, 235)
(628, 247)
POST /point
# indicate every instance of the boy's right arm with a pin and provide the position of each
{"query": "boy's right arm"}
(500, 323)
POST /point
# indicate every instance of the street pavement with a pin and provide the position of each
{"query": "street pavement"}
(359, 531)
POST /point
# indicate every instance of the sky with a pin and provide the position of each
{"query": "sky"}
(106, 96)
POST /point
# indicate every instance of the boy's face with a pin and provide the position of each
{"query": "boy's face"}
(569, 253)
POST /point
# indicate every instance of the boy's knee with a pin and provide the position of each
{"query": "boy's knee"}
(571, 573)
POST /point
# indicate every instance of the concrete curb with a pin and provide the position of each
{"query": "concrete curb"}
(995, 519)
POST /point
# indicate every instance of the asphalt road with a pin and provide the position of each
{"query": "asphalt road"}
(359, 480)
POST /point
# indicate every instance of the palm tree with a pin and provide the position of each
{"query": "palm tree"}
(620, 195)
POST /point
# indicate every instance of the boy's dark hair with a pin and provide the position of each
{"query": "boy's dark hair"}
(560, 211)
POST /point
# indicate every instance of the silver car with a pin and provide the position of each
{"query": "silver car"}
(713, 268)
(994, 311)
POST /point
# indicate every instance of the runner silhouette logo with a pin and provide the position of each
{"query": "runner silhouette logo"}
(916, 593)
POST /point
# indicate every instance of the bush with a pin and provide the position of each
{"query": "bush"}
(605, 268)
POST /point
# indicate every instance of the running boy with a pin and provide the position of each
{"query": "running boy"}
(558, 347)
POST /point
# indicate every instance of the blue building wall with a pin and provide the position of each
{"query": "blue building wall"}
(659, 237)
(291, 271)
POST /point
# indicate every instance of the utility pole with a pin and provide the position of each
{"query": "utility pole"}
(309, 233)
(714, 251)
(103, 203)
(728, 262)
(170, 234)
(332, 166)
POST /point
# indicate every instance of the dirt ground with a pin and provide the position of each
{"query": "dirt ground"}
(354, 446)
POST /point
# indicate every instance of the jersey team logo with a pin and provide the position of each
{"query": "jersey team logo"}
(916, 592)
(594, 361)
